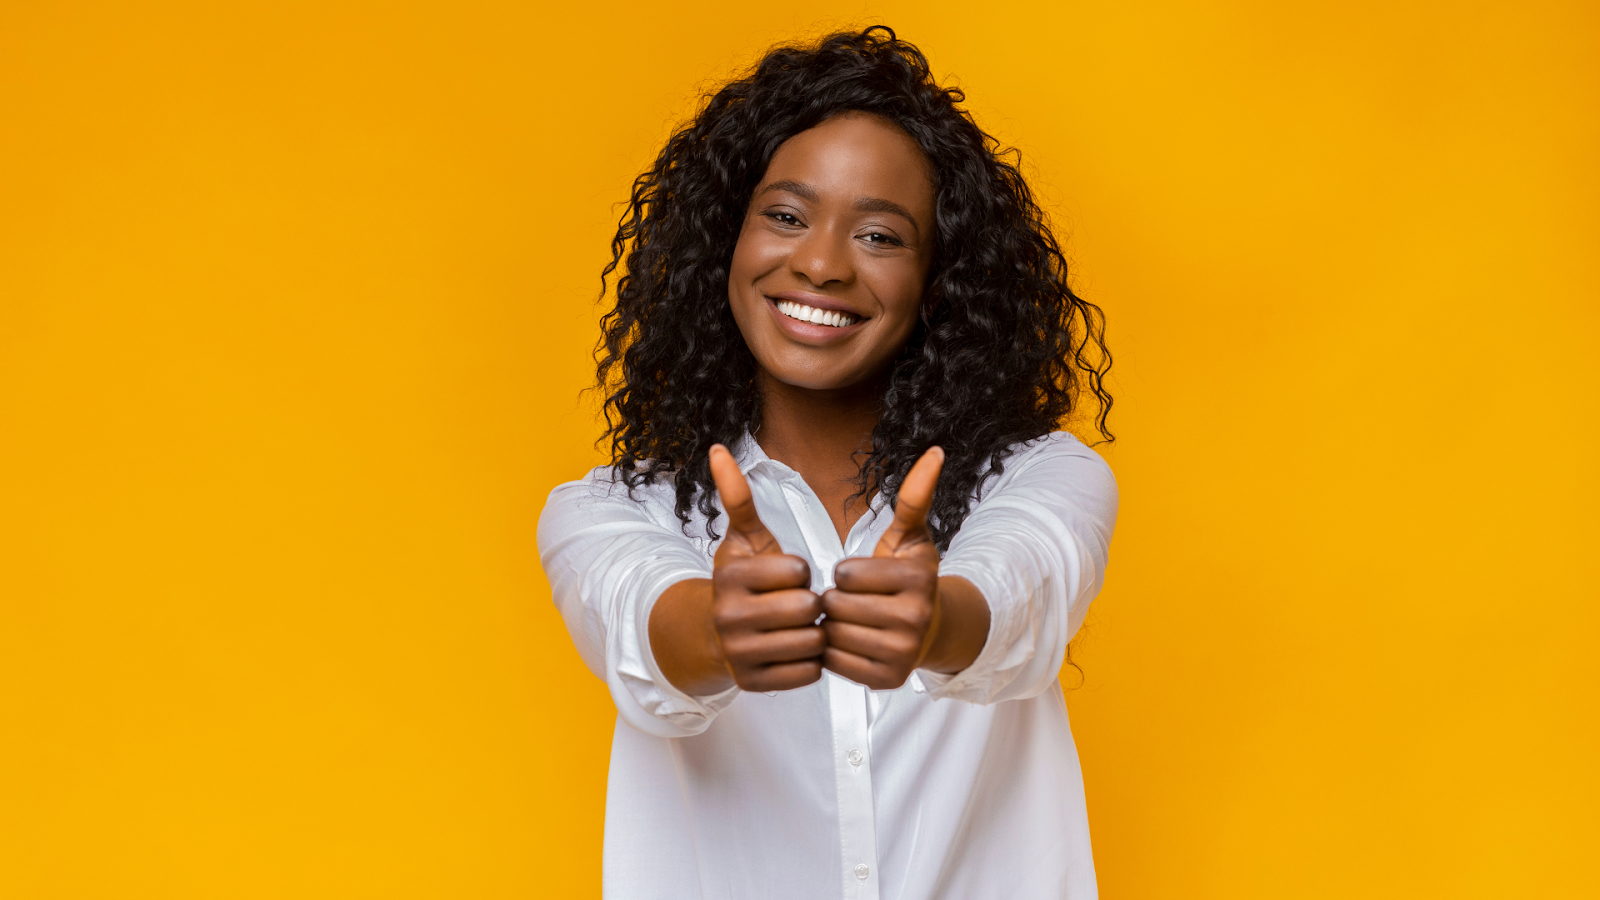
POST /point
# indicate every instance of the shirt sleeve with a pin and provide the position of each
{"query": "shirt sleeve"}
(608, 560)
(1036, 546)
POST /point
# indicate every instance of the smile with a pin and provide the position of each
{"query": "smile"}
(804, 313)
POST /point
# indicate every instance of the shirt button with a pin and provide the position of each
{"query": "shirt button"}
(856, 756)
(862, 871)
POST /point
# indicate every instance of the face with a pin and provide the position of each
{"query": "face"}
(827, 277)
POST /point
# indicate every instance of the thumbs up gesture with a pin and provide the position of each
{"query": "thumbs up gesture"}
(753, 623)
(762, 606)
(886, 615)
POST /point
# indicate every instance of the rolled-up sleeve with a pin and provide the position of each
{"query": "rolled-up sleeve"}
(1036, 546)
(608, 561)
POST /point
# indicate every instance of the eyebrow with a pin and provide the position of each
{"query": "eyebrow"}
(799, 189)
(864, 204)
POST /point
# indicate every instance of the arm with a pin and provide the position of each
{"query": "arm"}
(991, 621)
(609, 560)
(963, 626)
(1035, 548)
(683, 635)
(669, 631)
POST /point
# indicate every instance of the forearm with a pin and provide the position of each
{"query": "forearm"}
(963, 626)
(683, 639)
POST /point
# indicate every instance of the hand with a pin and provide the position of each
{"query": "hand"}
(753, 622)
(763, 609)
(885, 616)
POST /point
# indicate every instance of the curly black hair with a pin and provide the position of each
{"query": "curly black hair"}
(1004, 352)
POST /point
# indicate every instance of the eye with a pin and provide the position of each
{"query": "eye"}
(783, 218)
(882, 238)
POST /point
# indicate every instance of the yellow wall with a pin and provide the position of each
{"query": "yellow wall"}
(296, 300)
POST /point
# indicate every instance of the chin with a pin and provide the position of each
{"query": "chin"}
(808, 381)
(814, 378)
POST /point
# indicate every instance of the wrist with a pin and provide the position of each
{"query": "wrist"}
(683, 639)
(961, 621)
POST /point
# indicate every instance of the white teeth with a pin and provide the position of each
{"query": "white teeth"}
(814, 315)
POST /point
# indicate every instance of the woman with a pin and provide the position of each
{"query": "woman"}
(843, 325)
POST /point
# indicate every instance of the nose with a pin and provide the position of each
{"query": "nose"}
(823, 256)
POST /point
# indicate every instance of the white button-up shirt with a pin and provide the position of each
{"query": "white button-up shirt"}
(949, 787)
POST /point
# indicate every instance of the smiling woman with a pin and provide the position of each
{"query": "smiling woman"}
(826, 281)
(843, 323)
(1001, 351)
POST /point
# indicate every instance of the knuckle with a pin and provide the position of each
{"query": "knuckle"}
(918, 616)
(728, 616)
(727, 575)
(736, 650)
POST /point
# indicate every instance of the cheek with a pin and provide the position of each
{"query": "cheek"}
(899, 289)
(754, 254)
(751, 260)
(741, 256)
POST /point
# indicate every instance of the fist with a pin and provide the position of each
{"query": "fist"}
(762, 607)
(885, 612)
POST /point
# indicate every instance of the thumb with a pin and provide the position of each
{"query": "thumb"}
(746, 535)
(915, 499)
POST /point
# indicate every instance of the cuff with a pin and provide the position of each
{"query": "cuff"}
(675, 713)
(1007, 646)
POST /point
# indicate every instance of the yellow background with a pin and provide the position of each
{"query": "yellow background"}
(296, 301)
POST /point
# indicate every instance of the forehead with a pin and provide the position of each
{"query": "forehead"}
(856, 155)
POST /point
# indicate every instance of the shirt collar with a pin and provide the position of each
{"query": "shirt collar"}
(750, 457)
(749, 454)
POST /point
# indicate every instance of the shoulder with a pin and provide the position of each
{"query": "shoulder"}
(1063, 468)
(602, 494)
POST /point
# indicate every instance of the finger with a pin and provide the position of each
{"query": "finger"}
(883, 575)
(766, 612)
(882, 645)
(780, 676)
(764, 647)
(877, 610)
(737, 501)
(863, 671)
(758, 574)
(912, 503)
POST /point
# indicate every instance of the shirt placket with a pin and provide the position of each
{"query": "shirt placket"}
(847, 707)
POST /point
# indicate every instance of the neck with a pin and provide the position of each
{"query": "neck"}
(818, 434)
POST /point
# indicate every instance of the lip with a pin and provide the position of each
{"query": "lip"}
(810, 332)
